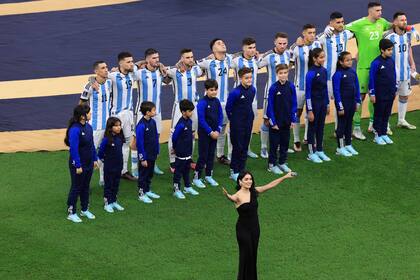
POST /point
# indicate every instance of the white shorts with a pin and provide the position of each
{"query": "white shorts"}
(300, 94)
(127, 122)
(157, 118)
(330, 90)
(404, 88)
(98, 135)
(176, 115)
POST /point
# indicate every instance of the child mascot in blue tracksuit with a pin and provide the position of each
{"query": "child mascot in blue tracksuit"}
(317, 104)
(382, 89)
(347, 101)
(147, 144)
(182, 144)
(281, 113)
(241, 117)
(210, 122)
(83, 158)
(110, 153)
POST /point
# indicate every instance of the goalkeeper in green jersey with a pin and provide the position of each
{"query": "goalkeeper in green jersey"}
(368, 32)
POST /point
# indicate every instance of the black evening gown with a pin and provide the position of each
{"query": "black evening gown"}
(248, 235)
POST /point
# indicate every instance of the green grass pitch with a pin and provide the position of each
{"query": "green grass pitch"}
(351, 218)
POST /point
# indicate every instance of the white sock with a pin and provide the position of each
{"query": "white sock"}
(221, 142)
(310, 148)
(249, 146)
(126, 152)
(341, 140)
(402, 109)
(134, 161)
(264, 137)
(296, 130)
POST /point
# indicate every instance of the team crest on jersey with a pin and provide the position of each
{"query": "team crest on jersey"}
(279, 93)
(317, 74)
(344, 76)
(147, 129)
(383, 67)
(186, 128)
(83, 133)
(242, 96)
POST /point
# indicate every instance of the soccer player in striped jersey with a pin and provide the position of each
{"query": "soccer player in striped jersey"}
(184, 82)
(122, 103)
(218, 68)
(279, 55)
(404, 63)
(248, 58)
(333, 45)
(99, 104)
(150, 87)
(300, 59)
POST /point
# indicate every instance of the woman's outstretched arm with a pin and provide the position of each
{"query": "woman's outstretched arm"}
(273, 183)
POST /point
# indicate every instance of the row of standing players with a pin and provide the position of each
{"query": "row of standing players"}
(281, 113)
(119, 84)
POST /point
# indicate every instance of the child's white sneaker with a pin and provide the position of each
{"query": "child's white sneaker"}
(87, 214)
(108, 208)
(74, 218)
(190, 190)
(117, 206)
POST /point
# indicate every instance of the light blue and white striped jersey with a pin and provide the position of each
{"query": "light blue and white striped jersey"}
(184, 84)
(122, 91)
(402, 45)
(301, 56)
(219, 71)
(271, 59)
(149, 87)
(99, 102)
(240, 62)
(332, 47)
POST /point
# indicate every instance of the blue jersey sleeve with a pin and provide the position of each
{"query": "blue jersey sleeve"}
(232, 97)
(336, 82)
(293, 117)
(308, 89)
(270, 104)
(220, 117)
(102, 148)
(201, 116)
(372, 73)
(74, 134)
(177, 132)
(140, 141)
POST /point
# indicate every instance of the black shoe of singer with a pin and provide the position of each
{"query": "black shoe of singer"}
(223, 160)
(128, 176)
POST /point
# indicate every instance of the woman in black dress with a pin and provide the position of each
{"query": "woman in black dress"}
(248, 226)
